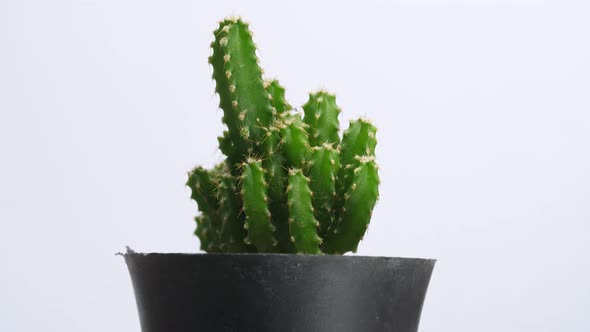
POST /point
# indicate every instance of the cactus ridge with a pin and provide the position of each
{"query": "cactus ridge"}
(288, 183)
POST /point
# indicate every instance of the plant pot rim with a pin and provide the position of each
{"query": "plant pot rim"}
(131, 252)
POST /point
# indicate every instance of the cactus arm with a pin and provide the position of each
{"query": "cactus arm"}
(356, 211)
(277, 93)
(321, 114)
(202, 185)
(244, 77)
(295, 141)
(323, 169)
(255, 203)
(302, 224)
(358, 140)
(235, 144)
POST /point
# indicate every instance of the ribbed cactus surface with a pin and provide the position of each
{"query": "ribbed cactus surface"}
(289, 183)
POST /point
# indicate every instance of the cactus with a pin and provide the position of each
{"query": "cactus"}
(288, 183)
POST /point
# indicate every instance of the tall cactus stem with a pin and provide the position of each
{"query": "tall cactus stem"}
(235, 64)
(233, 144)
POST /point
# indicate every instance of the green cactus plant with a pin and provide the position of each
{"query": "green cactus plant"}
(288, 183)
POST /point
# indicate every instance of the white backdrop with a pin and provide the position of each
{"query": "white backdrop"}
(484, 131)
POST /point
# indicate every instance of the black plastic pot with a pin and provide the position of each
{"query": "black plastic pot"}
(278, 292)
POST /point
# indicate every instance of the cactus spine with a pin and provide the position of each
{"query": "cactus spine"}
(288, 183)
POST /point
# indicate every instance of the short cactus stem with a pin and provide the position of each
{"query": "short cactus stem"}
(303, 226)
(323, 169)
(202, 184)
(276, 177)
(255, 202)
(277, 93)
(232, 234)
(358, 140)
(321, 115)
(359, 201)
(207, 235)
(295, 141)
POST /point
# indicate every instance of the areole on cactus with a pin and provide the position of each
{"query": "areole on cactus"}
(288, 184)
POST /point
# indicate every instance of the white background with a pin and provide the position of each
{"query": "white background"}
(484, 129)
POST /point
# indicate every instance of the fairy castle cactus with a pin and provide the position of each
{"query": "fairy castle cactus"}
(288, 184)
